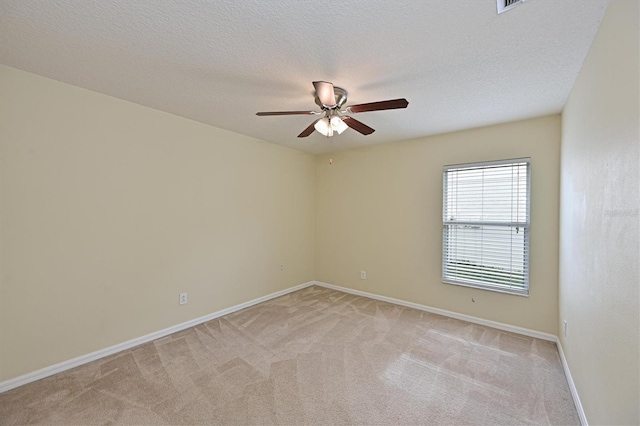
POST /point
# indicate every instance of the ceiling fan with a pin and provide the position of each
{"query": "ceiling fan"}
(330, 99)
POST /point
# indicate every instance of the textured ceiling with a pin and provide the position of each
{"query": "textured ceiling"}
(458, 63)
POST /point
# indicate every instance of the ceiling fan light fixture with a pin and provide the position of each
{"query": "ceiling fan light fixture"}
(326, 126)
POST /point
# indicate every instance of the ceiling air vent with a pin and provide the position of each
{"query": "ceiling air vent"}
(504, 5)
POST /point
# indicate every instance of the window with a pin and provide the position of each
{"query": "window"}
(485, 234)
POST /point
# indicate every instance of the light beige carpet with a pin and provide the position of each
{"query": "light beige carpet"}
(316, 356)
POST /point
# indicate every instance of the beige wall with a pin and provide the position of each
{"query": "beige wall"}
(108, 210)
(379, 209)
(599, 273)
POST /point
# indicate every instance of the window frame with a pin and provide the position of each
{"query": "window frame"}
(526, 226)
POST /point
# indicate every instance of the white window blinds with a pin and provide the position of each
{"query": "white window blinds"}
(486, 225)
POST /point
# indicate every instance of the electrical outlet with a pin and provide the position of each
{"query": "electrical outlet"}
(183, 298)
(282, 266)
(564, 326)
(363, 275)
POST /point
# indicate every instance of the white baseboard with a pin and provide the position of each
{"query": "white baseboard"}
(75, 362)
(572, 386)
(463, 317)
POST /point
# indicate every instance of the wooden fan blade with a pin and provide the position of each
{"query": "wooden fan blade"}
(378, 106)
(358, 126)
(262, 114)
(306, 132)
(325, 93)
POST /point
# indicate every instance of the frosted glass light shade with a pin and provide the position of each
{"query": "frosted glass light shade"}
(323, 127)
(338, 125)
